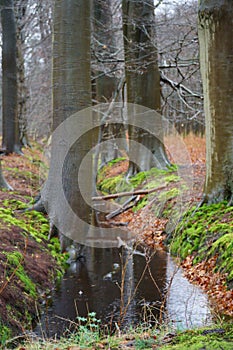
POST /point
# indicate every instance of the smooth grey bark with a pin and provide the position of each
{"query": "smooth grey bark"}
(216, 58)
(142, 76)
(71, 93)
(23, 95)
(10, 128)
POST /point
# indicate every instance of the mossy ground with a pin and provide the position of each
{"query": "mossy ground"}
(29, 264)
(207, 232)
(209, 339)
(147, 180)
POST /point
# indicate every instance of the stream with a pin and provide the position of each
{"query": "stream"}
(124, 287)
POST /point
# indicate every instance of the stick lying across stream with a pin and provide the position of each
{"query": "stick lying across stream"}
(125, 194)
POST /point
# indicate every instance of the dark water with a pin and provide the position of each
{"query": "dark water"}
(124, 288)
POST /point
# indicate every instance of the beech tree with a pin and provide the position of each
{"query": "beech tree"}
(10, 141)
(71, 79)
(216, 57)
(108, 72)
(142, 76)
(22, 90)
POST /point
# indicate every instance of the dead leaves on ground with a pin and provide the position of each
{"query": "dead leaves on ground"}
(213, 283)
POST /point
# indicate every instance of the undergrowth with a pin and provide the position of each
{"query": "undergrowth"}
(89, 335)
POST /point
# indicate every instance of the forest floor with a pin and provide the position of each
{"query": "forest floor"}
(26, 257)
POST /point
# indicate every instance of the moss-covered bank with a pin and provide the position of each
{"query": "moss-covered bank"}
(29, 263)
(207, 232)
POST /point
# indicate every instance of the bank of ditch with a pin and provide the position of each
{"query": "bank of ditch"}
(202, 243)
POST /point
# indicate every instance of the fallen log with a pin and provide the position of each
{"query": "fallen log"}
(125, 194)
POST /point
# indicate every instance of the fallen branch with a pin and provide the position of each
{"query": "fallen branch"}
(126, 206)
(119, 211)
(125, 194)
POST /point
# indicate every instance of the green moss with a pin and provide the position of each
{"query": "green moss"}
(151, 178)
(5, 333)
(137, 179)
(24, 174)
(155, 183)
(196, 339)
(113, 184)
(207, 232)
(32, 224)
(141, 204)
(101, 175)
(172, 193)
(116, 160)
(14, 264)
(171, 178)
(29, 222)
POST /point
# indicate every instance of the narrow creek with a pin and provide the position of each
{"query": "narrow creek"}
(126, 288)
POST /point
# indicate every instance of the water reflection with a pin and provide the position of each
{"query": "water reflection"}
(187, 305)
(122, 286)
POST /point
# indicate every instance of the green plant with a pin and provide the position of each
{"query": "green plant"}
(88, 330)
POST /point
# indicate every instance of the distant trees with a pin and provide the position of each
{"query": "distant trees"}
(34, 51)
(178, 48)
(107, 70)
(216, 57)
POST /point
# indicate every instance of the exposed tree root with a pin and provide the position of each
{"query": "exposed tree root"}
(230, 202)
(3, 182)
(37, 206)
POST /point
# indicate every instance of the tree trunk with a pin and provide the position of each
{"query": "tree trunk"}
(11, 141)
(71, 93)
(142, 76)
(21, 81)
(216, 56)
(108, 80)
